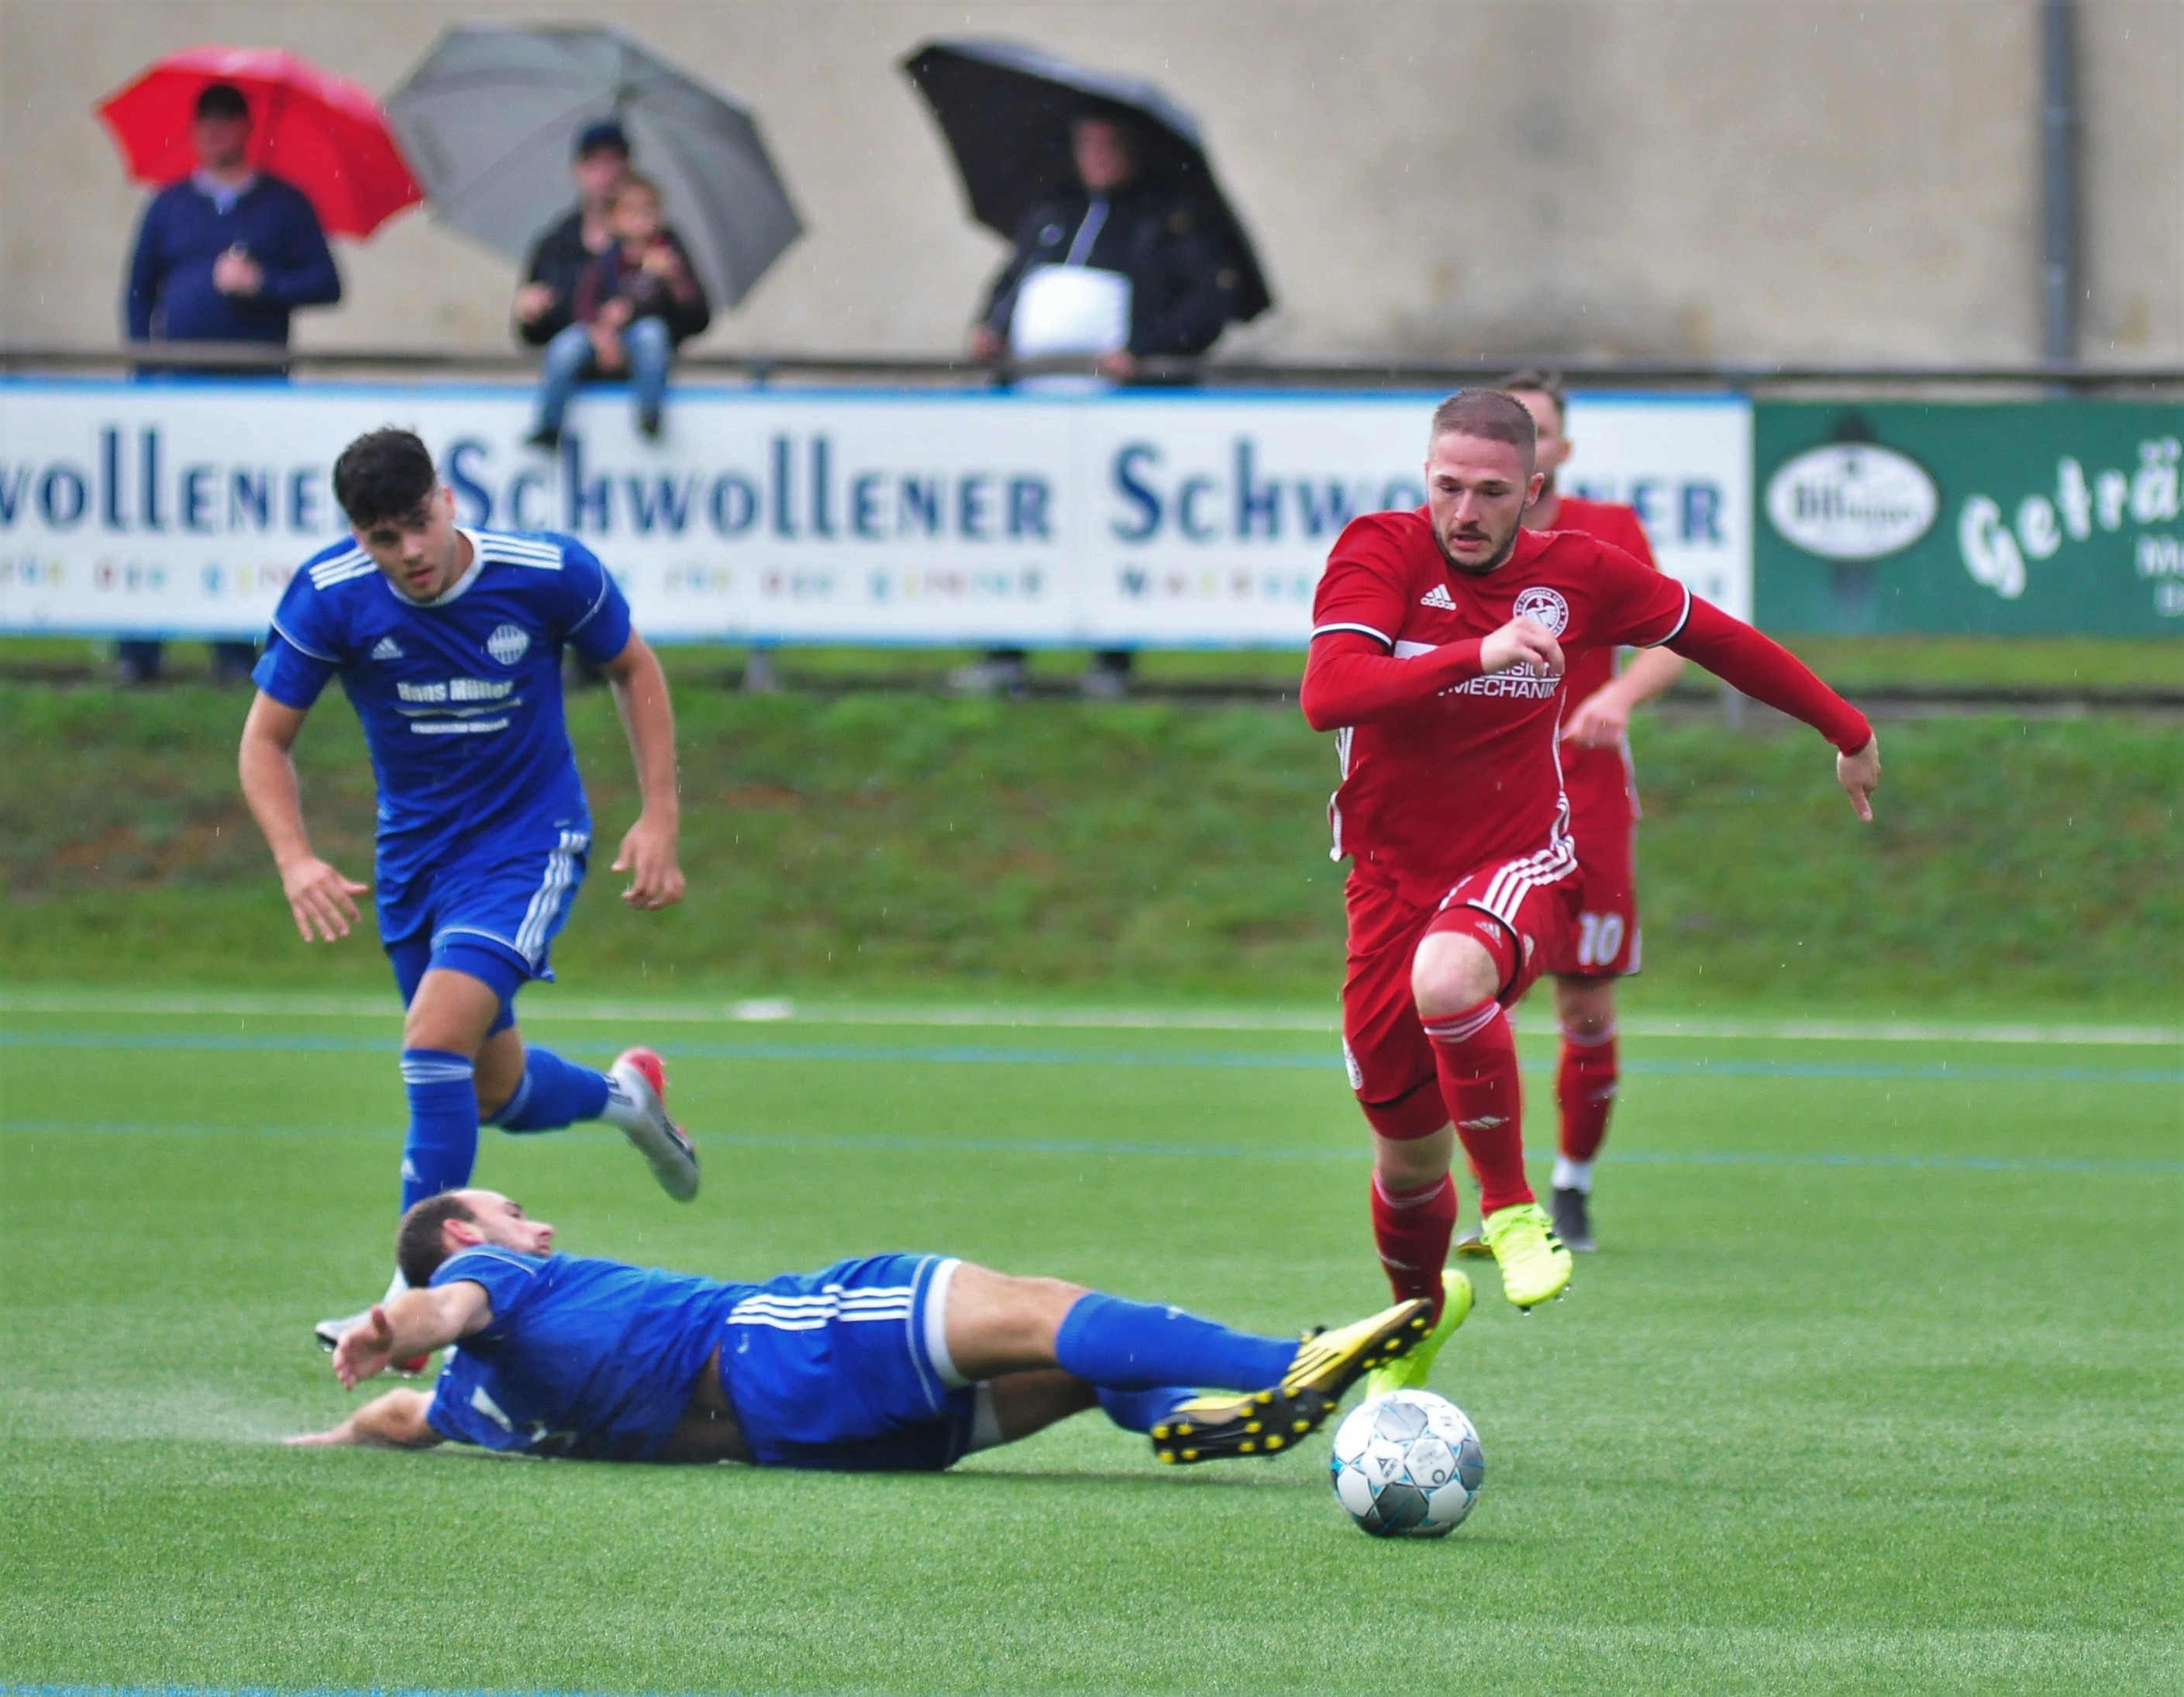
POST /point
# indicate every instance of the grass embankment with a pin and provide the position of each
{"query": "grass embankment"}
(1879, 664)
(900, 843)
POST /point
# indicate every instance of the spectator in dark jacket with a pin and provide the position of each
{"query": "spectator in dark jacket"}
(1182, 284)
(1182, 280)
(225, 255)
(634, 305)
(545, 305)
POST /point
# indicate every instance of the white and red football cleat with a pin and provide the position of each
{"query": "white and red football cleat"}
(640, 1078)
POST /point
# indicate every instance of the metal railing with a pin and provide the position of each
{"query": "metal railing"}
(760, 367)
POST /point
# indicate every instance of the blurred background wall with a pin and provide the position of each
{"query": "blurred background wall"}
(1683, 179)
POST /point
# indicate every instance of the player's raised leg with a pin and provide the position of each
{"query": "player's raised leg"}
(1467, 960)
(532, 1090)
(494, 920)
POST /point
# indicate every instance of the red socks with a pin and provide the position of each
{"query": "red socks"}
(1585, 1086)
(1412, 1231)
(1475, 1054)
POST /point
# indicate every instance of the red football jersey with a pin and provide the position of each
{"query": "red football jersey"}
(1470, 776)
(1602, 789)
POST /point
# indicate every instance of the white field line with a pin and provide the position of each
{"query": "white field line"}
(776, 1010)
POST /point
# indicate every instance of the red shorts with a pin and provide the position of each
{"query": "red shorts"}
(1603, 943)
(1532, 900)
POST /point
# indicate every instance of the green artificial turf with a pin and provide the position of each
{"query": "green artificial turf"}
(1873, 1387)
(889, 842)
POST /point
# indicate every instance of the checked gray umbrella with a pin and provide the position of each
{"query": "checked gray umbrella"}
(1007, 108)
(488, 118)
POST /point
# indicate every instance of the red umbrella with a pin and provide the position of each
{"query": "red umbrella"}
(324, 134)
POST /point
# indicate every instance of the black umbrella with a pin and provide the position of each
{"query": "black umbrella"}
(1006, 110)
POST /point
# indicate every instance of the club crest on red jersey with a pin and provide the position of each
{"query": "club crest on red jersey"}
(1545, 607)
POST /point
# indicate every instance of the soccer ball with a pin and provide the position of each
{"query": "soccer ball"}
(1407, 1464)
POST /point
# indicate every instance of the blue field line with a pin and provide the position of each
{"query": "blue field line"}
(885, 1142)
(974, 1055)
(266, 1691)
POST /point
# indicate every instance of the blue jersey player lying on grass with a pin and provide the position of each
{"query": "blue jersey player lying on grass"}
(891, 1363)
(447, 642)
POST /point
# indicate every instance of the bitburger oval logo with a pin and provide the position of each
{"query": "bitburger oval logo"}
(1852, 500)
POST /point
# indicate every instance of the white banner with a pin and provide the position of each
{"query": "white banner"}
(782, 516)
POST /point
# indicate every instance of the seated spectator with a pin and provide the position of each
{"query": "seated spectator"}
(225, 255)
(635, 303)
(545, 305)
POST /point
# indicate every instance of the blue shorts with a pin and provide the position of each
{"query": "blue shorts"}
(493, 914)
(847, 1369)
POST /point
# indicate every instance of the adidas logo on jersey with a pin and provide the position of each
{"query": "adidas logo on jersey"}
(386, 648)
(1437, 596)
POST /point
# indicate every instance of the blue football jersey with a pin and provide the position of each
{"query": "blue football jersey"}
(583, 1357)
(459, 697)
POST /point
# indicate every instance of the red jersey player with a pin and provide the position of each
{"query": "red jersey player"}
(1598, 778)
(1438, 656)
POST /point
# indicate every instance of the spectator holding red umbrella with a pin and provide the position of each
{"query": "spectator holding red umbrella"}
(229, 252)
(224, 255)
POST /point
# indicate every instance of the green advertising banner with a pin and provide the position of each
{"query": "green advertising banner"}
(2012, 519)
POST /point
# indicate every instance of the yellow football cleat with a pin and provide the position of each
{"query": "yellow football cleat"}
(1269, 1422)
(1535, 1268)
(1409, 1372)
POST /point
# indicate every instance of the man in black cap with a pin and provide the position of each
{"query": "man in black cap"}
(546, 303)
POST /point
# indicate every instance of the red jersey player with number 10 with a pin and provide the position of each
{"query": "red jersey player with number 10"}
(1440, 643)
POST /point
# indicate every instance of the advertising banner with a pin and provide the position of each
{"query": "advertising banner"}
(784, 516)
(2045, 517)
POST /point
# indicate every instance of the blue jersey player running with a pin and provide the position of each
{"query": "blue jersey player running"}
(889, 1363)
(447, 642)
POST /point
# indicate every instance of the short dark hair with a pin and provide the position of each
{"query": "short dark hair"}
(1533, 381)
(1490, 413)
(221, 100)
(607, 134)
(384, 474)
(419, 1244)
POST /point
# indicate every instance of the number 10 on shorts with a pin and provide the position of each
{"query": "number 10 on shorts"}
(1599, 939)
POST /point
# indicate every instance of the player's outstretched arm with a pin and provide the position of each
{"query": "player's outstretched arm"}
(648, 852)
(415, 1323)
(394, 1421)
(322, 900)
(1766, 671)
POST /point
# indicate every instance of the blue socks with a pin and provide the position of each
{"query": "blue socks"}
(444, 1117)
(1143, 1410)
(443, 1123)
(554, 1093)
(1135, 1346)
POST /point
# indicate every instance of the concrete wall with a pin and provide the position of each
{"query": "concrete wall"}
(1733, 179)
